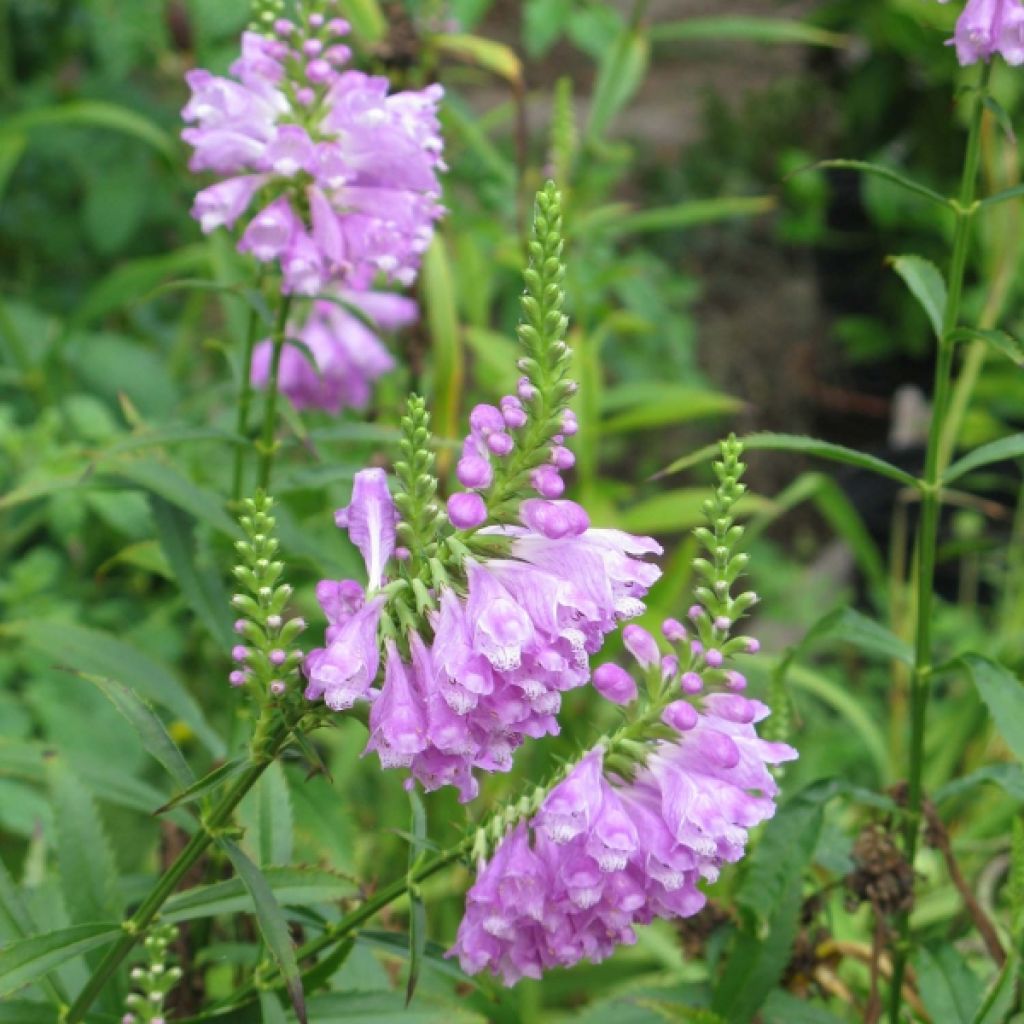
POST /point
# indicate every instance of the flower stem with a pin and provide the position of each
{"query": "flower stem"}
(927, 531)
(136, 925)
(244, 404)
(270, 412)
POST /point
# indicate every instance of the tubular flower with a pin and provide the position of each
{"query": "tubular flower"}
(988, 27)
(343, 175)
(349, 357)
(603, 854)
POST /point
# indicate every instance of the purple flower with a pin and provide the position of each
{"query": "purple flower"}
(348, 356)
(614, 683)
(467, 510)
(314, 137)
(987, 27)
(602, 855)
(371, 520)
(345, 670)
(398, 720)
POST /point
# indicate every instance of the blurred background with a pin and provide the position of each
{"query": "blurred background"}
(718, 281)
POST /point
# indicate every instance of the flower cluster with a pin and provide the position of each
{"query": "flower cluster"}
(653, 810)
(487, 668)
(345, 174)
(482, 620)
(988, 27)
(156, 980)
(605, 854)
(348, 356)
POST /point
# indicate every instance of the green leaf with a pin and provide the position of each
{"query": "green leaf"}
(273, 925)
(735, 28)
(291, 886)
(438, 294)
(1011, 447)
(11, 148)
(1009, 777)
(619, 75)
(926, 284)
(24, 961)
(91, 650)
(802, 446)
(650, 405)
(266, 815)
(999, 340)
(1001, 197)
(488, 54)
(886, 173)
(772, 893)
(853, 627)
(170, 484)
(417, 908)
(366, 18)
(23, 1012)
(1001, 996)
(680, 216)
(949, 988)
(782, 1008)
(271, 1010)
(203, 786)
(147, 725)
(1003, 694)
(94, 114)
(384, 1008)
(87, 869)
(200, 585)
(679, 510)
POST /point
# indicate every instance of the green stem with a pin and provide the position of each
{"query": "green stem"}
(267, 448)
(136, 925)
(244, 403)
(927, 531)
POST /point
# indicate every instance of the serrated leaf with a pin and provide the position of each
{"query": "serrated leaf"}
(995, 451)
(273, 925)
(385, 1008)
(926, 284)
(291, 886)
(800, 445)
(655, 406)
(855, 628)
(24, 961)
(266, 815)
(201, 586)
(88, 872)
(148, 727)
(92, 650)
(1003, 694)
(173, 486)
(208, 782)
(749, 28)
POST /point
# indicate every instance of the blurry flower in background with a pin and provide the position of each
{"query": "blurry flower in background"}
(988, 27)
(340, 356)
(343, 175)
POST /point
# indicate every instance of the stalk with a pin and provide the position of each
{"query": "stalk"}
(927, 532)
(136, 925)
(244, 404)
(270, 412)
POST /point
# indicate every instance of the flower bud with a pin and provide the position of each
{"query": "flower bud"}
(614, 683)
(673, 630)
(641, 645)
(691, 683)
(714, 658)
(467, 510)
(681, 715)
(474, 471)
(547, 482)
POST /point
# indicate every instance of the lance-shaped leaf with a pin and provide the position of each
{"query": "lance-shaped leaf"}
(208, 782)
(273, 925)
(24, 961)
(926, 284)
(619, 75)
(746, 28)
(1002, 342)
(1003, 694)
(886, 174)
(1011, 447)
(417, 908)
(800, 445)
